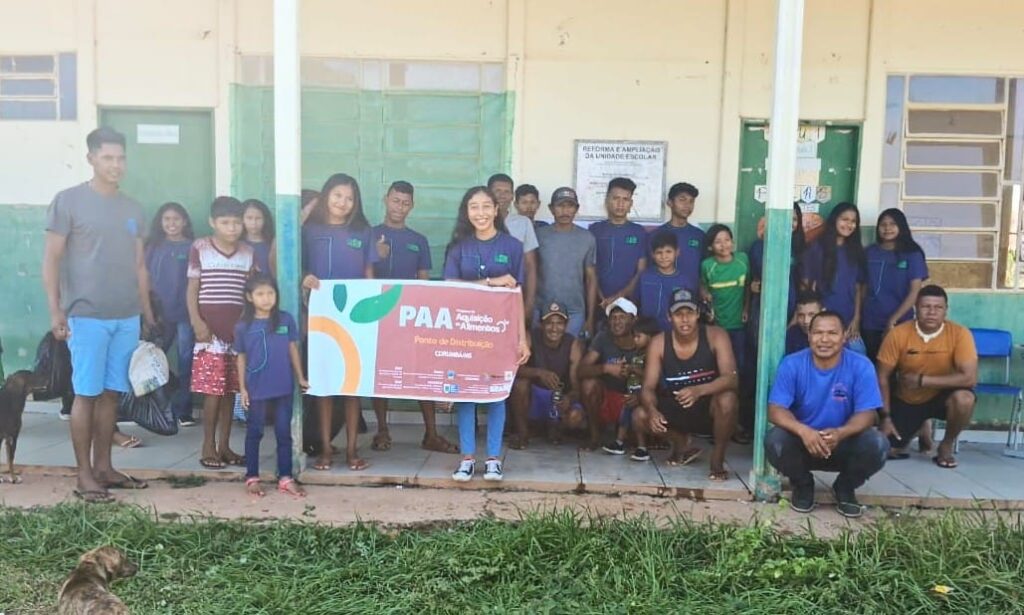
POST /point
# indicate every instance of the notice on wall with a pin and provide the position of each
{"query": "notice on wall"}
(598, 162)
(159, 134)
(413, 339)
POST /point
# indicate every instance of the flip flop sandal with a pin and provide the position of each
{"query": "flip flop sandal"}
(288, 486)
(212, 462)
(254, 481)
(686, 457)
(129, 482)
(381, 442)
(946, 463)
(898, 456)
(322, 466)
(93, 497)
(357, 465)
(131, 442)
(233, 460)
(718, 476)
(441, 445)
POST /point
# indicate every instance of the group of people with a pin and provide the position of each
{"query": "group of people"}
(633, 337)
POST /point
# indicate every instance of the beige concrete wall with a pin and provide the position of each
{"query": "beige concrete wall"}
(410, 29)
(683, 71)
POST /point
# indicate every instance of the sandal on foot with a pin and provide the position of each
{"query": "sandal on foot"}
(438, 445)
(357, 465)
(685, 458)
(381, 442)
(252, 486)
(93, 496)
(947, 463)
(898, 456)
(212, 462)
(131, 442)
(323, 464)
(233, 459)
(718, 476)
(129, 482)
(288, 486)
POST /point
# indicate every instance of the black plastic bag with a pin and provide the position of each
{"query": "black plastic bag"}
(52, 368)
(151, 411)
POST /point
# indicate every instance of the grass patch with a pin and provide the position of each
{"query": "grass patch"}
(556, 563)
(190, 481)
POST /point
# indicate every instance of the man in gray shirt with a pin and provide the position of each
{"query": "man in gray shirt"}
(96, 286)
(568, 261)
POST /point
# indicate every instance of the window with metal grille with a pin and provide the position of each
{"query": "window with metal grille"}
(952, 161)
(38, 87)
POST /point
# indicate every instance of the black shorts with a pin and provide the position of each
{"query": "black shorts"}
(695, 419)
(908, 418)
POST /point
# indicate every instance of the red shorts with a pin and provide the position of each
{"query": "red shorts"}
(611, 407)
(214, 373)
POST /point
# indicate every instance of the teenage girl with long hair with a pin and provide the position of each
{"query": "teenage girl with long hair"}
(834, 266)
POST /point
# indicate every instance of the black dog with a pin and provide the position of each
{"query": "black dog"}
(16, 390)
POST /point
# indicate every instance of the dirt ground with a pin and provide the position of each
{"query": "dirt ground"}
(392, 506)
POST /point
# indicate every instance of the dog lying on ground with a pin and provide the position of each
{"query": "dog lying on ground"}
(16, 390)
(87, 590)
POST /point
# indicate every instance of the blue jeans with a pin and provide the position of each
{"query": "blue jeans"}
(467, 427)
(282, 432)
(738, 340)
(185, 339)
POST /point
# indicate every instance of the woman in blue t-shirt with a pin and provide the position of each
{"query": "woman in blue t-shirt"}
(896, 268)
(337, 244)
(482, 252)
(834, 266)
(167, 248)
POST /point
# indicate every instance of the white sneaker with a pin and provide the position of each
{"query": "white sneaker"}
(492, 470)
(465, 471)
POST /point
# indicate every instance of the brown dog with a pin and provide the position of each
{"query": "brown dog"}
(12, 404)
(87, 589)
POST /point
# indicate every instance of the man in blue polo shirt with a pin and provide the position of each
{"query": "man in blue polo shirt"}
(689, 238)
(621, 245)
(404, 255)
(823, 405)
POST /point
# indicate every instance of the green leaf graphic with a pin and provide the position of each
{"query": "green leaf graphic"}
(373, 309)
(340, 297)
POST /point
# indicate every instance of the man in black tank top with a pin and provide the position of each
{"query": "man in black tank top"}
(690, 385)
(546, 388)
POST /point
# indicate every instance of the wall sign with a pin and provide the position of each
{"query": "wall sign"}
(598, 162)
(158, 134)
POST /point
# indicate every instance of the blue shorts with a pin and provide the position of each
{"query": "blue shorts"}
(101, 351)
(541, 402)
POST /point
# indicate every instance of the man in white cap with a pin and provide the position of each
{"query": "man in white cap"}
(605, 369)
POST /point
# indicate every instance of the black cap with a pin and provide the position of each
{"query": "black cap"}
(555, 309)
(564, 193)
(683, 298)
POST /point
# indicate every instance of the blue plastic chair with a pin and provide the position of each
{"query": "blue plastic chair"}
(998, 344)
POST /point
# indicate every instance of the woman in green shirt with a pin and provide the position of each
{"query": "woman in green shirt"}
(723, 276)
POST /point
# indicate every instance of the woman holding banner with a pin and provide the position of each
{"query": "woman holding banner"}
(482, 252)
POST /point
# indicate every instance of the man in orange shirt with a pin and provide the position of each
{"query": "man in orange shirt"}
(937, 367)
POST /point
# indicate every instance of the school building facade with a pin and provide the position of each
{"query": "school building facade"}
(917, 104)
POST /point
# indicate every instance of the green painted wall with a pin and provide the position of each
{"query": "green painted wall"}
(24, 318)
(442, 142)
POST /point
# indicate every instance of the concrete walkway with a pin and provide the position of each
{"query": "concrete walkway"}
(984, 477)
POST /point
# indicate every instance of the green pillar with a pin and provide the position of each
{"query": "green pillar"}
(287, 182)
(782, 138)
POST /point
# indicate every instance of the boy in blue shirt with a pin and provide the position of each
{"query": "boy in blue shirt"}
(404, 255)
(689, 238)
(823, 405)
(658, 283)
(621, 245)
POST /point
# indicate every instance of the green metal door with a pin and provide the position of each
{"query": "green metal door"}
(826, 174)
(170, 158)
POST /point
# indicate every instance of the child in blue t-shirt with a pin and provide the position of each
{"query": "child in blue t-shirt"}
(167, 249)
(338, 244)
(482, 252)
(659, 282)
(266, 340)
(404, 255)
